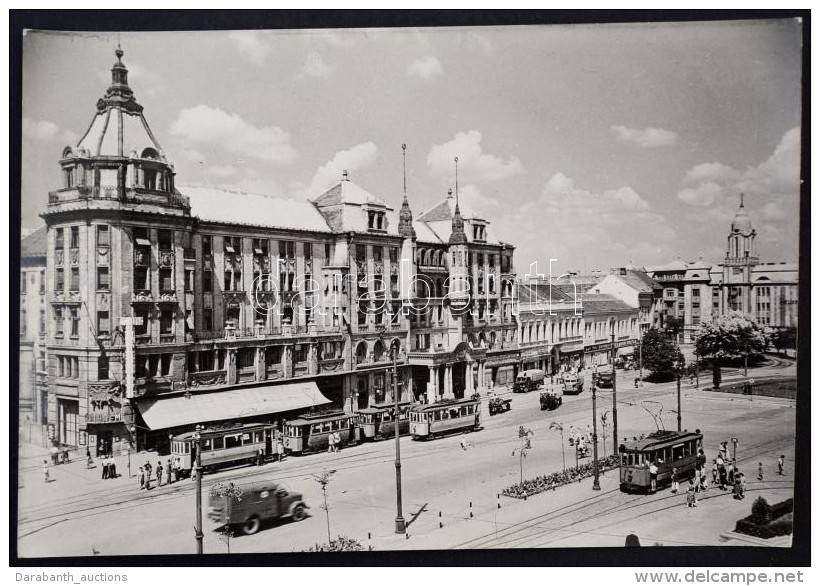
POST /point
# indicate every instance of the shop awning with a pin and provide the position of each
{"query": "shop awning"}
(202, 407)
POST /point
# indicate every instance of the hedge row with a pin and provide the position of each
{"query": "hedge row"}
(767, 521)
(546, 482)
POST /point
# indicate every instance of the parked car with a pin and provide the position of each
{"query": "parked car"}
(551, 398)
(259, 501)
(498, 404)
(572, 383)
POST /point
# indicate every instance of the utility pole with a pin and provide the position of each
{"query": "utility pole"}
(198, 469)
(596, 484)
(614, 395)
(678, 380)
(401, 526)
(640, 355)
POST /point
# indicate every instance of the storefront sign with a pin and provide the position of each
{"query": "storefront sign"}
(51, 431)
(608, 345)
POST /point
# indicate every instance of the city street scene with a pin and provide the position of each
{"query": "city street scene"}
(409, 289)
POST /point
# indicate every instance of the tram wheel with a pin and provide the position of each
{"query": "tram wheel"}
(298, 513)
(251, 526)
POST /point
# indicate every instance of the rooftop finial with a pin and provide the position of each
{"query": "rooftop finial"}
(344, 175)
(741, 199)
(456, 161)
(404, 167)
(457, 235)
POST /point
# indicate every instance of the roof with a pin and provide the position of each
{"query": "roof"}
(639, 281)
(166, 412)
(444, 404)
(320, 417)
(676, 265)
(444, 211)
(34, 245)
(347, 192)
(212, 204)
(658, 439)
(544, 293)
(600, 303)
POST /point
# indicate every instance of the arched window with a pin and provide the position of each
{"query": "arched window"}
(150, 153)
(361, 352)
(395, 348)
(378, 351)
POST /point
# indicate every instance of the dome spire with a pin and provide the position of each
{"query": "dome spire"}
(119, 93)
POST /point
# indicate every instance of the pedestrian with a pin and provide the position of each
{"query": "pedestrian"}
(337, 441)
(675, 483)
(330, 440)
(159, 473)
(703, 484)
(760, 471)
(105, 470)
(280, 451)
(696, 479)
(112, 467)
(88, 460)
(46, 477)
(66, 456)
(731, 475)
(463, 441)
(55, 452)
(169, 471)
(714, 472)
(736, 487)
(653, 477)
(722, 477)
(742, 486)
(781, 465)
(691, 497)
(724, 450)
(147, 475)
(142, 477)
(701, 460)
(260, 456)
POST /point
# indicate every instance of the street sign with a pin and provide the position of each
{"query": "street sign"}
(734, 440)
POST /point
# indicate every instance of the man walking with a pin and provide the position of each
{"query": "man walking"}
(675, 483)
(330, 442)
(88, 460)
(46, 477)
(781, 465)
(337, 441)
(159, 473)
(760, 471)
(169, 472)
(104, 461)
(653, 477)
(142, 477)
(280, 451)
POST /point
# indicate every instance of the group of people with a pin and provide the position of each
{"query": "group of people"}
(278, 453)
(109, 466)
(334, 440)
(60, 455)
(171, 473)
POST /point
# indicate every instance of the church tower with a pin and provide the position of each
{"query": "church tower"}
(739, 262)
(458, 291)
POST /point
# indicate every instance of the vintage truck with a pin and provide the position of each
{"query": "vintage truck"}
(247, 505)
(573, 384)
(498, 404)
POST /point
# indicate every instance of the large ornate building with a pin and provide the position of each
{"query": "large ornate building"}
(169, 306)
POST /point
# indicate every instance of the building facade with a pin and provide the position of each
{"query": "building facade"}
(169, 306)
(33, 388)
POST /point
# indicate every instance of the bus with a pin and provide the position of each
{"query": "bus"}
(222, 446)
(451, 416)
(667, 449)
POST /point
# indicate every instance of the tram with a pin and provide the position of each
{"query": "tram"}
(431, 421)
(378, 422)
(310, 432)
(221, 446)
(667, 449)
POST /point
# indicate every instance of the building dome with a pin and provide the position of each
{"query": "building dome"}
(742, 222)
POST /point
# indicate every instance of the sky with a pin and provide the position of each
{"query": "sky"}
(595, 145)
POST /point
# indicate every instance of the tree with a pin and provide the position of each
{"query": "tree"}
(673, 327)
(524, 446)
(324, 479)
(661, 355)
(782, 338)
(728, 336)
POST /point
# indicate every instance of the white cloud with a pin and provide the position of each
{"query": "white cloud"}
(45, 131)
(350, 160)
(221, 171)
(251, 45)
(471, 198)
(772, 211)
(192, 155)
(213, 126)
(316, 66)
(711, 172)
(427, 68)
(647, 138)
(473, 163)
(703, 195)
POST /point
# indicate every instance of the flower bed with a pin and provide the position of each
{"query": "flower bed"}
(767, 521)
(551, 481)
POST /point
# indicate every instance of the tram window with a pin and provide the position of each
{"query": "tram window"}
(386, 416)
(206, 445)
(232, 441)
(453, 413)
(257, 437)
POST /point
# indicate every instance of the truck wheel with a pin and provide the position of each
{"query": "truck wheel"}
(298, 513)
(251, 526)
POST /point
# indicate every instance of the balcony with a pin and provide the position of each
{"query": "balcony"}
(741, 261)
(206, 379)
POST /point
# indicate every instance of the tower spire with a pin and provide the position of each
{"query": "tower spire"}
(457, 235)
(406, 229)
(456, 162)
(119, 93)
(741, 199)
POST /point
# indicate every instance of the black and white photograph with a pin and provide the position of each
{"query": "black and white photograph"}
(410, 289)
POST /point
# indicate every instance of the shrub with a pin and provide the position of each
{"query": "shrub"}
(760, 523)
(341, 543)
(551, 481)
(761, 512)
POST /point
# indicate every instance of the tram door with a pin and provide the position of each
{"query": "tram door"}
(268, 442)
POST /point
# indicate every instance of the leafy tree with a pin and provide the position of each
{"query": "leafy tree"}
(673, 327)
(782, 338)
(661, 354)
(728, 336)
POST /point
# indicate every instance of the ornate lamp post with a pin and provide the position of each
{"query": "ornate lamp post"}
(678, 371)
(198, 470)
(133, 430)
(596, 484)
(614, 394)
(401, 526)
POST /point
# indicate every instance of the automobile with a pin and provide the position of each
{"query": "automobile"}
(498, 404)
(604, 379)
(528, 380)
(573, 385)
(256, 502)
(551, 398)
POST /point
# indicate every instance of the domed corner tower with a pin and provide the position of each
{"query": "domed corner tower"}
(117, 236)
(739, 262)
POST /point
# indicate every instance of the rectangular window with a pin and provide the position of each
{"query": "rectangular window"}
(394, 254)
(103, 323)
(75, 237)
(22, 322)
(42, 322)
(696, 293)
(58, 321)
(189, 280)
(75, 323)
(165, 239)
(166, 280)
(206, 246)
(233, 245)
(103, 279)
(246, 357)
(327, 253)
(166, 321)
(59, 281)
(165, 364)
(141, 282)
(103, 236)
(207, 281)
(22, 283)
(75, 279)
(102, 368)
(208, 319)
(59, 242)
(377, 253)
(286, 249)
(308, 251)
(142, 312)
(361, 252)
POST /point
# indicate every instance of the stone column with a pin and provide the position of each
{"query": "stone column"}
(448, 381)
(470, 389)
(431, 385)
(259, 364)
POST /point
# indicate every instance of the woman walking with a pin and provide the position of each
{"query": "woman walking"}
(142, 477)
(675, 483)
(46, 477)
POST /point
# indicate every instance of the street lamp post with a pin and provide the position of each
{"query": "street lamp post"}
(679, 422)
(614, 396)
(133, 431)
(198, 529)
(596, 484)
(401, 526)
(640, 355)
